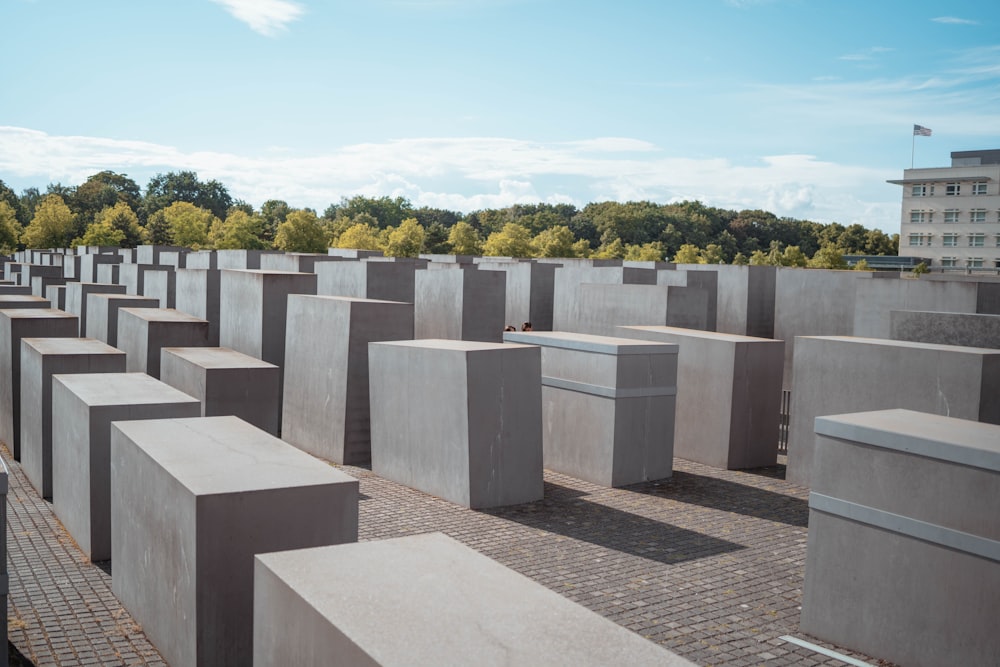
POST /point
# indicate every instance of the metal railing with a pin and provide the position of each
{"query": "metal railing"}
(783, 419)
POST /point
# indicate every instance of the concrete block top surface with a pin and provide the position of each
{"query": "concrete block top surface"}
(112, 389)
(961, 441)
(651, 331)
(589, 343)
(215, 455)
(440, 602)
(21, 298)
(36, 314)
(162, 315)
(70, 346)
(347, 299)
(452, 345)
(905, 344)
(217, 357)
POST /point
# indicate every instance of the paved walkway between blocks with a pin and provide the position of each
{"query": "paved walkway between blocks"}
(709, 563)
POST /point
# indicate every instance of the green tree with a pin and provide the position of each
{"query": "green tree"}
(273, 212)
(862, 265)
(740, 259)
(555, 241)
(436, 239)
(100, 233)
(582, 249)
(464, 239)
(647, 252)
(301, 232)
(614, 249)
(157, 229)
(51, 226)
(793, 256)
(920, 269)
(103, 190)
(10, 228)
(360, 237)
(239, 230)
(188, 224)
(712, 254)
(387, 211)
(828, 257)
(123, 218)
(407, 240)
(688, 254)
(184, 186)
(513, 240)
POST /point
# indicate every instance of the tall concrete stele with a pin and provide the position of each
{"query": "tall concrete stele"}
(951, 215)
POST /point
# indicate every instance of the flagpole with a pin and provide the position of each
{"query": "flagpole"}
(913, 147)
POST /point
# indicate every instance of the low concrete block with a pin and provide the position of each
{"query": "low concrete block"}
(835, 375)
(219, 491)
(83, 407)
(102, 309)
(460, 304)
(8, 301)
(56, 295)
(607, 406)
(438, 603)
(143, 332)
(325, 408)
(728, 398)
(76, 299)
(458, 419)
(966, 329)
(903, 558)
(226, 382)
(16, 324)
(41, 358)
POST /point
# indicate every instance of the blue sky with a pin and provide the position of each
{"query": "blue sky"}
(800, 107)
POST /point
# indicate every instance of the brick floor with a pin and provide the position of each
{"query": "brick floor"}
(708, 563)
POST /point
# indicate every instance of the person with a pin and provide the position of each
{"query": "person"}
(526, 326)
(509, 327)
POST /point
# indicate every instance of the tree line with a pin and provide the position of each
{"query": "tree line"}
(177, 208)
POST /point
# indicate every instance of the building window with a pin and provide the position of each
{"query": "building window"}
(949, 262)
(951, 215)
(953, 189)
(920, 239)
(978, 188)
(950, 240)
(977, 240)
(919, 217)
(974, 262)
(923, 191)
(977, 215)
(998, 240)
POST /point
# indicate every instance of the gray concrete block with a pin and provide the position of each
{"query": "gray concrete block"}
(202, 259)
(56, 295)
(219, 491)
(438, 603)
(876, 298)
(240, 258)
(226, 382)
(11, 290)
(745, 298)
(301, 262)
(108, 273)
(352, 253)
(133, 276)
(90, 263)
(197, 293)
(603, 308)
(966, 329)
(387, 281)
(460, 304)
(458, 419)
(52, 275)
(161, 283)
(728, 397)
(41, 284)
(607, 406)
(41, 358)
(16, 324)
(76, 298)
(529, 292)
(325, 407)
(903, 557)
(176, 259)
(102, 311)
(83, 407)
(835, 375)
(150, 254)
(566, 309)
(143, 332)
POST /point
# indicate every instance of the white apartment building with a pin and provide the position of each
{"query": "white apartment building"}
(951, 215)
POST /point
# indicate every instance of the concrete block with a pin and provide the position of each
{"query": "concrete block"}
(12, 290)
(202, 259)
(90, 263)
(438, 603)
(219, 491)
(325, 406)
(966, 329)
(56, 295)
(197, 293)
(745, 298)
(388, 281)
(603, 308)
(150, 254)
(83, 407)
(109, 273)
(132, 276)
(460, 304)
(41, 358)
(176, 259)
(76, 298)
(728, 398)
(566, 310)
(16, 324)
(876, 298)
(226, 382)
(301, 262)
(607, 406)
(161, 283)
(240, 259)
(835, 374)
(458, 419)
(903, 557)
(29, 272)
(41, 284)
(530, 289)
(102, 310)
(143, 332)
(352, 253)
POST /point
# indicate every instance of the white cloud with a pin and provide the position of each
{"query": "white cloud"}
(267, 17)
(471, 173)
(954, 20)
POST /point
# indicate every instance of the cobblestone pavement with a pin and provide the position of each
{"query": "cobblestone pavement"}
(708, 563)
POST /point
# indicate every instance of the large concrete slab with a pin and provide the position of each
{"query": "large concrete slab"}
(16, 324)
(56, 295)
(566, 308)
(226, 382)
(529, 292)
(219, 491)
(102, 310)
(240, 258)
(302, 262)
(603, 308)
(876, 298)
(840, 374)
(76, 298)
(161, 283)
(386, 281)
(966, 329)
(41, 358)
(460, 304)
(439, 603)
(458, 419)
(607, 406)
(903, 558)
(8, 301)
(143, 332)
(745, 298)
(197, 293)
(728, 395)
(90, 262)
(325, 407)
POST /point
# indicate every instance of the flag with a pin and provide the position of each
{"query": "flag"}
(921, 131)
